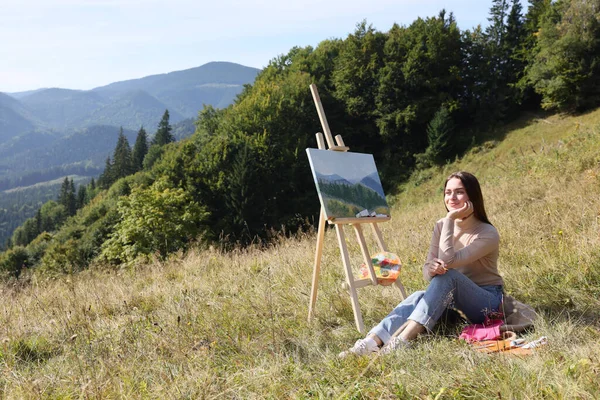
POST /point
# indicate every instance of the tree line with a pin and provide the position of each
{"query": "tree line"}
(414, 97)
(356, 194)
(33, 177)
(29, 241)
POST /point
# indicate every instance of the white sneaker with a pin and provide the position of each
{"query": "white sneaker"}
(362, 347)
(394, 344)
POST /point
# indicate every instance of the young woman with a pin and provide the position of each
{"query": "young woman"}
(462, 267)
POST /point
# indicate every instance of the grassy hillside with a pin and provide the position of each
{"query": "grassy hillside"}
(213, 325)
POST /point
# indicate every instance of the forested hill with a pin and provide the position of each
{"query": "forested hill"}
(47, 134)
(13, 117)
(34, 120)
(414, 96)
(215, 83)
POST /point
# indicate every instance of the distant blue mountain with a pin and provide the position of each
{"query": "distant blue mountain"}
(33, 123)
(15, 118)
(132, 110)
(129, 103)
(63, 109)
(24, 143)
(185, 92)
(372, 182)
(333, 178)
(19, 95)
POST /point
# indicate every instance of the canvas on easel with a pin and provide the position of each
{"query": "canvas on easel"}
(350, 194)
(348, 184)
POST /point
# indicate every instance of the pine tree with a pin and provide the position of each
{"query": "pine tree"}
(38, 220)
(533, 20)
(163, 134)
(66, 196)
(81, 196)
(140, 149)
(513, 59)
(439, 134)
(565, 70)
(497, 28)
(241, 198)
(514, 36)
(122, 162)
(505, 39)
(71, 204)
(64, 188)
(439, 137)
(107, 177)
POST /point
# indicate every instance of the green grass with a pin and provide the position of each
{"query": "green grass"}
(213, 325)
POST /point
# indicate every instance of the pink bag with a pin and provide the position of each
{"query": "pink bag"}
(486, 331)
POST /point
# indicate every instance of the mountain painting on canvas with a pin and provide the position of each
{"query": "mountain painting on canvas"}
(348, 184)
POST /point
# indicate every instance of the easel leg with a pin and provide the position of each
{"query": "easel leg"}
(317, 266)
(365, 252)
(350, 279)
(401, 287)
(378, 237)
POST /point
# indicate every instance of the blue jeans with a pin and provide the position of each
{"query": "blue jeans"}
(450, 290)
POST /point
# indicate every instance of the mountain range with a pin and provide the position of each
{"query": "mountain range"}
(129, 104)
(50, 128)
(370, 181)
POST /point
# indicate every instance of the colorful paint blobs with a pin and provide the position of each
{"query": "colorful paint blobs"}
(386, 266)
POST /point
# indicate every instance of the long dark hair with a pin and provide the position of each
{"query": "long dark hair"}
(473, 189)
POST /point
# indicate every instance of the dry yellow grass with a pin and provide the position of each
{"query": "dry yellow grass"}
(212, 325)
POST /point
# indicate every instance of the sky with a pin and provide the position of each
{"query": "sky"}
(348, 165)
(82, 44)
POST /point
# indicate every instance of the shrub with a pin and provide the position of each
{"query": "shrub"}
(13, 261)
(155, 219)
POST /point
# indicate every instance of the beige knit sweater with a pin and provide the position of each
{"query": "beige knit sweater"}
(469, 246)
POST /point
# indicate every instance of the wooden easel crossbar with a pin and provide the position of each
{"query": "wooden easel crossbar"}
(351, 284)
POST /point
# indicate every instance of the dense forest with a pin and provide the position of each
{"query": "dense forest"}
(356, 194)
(18, 205)
(35, 158)
(36, 174)
(414, 97)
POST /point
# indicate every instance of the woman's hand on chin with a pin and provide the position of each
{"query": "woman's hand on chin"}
(461, 213)
(436, 267)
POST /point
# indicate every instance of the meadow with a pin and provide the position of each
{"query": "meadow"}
(213, 325)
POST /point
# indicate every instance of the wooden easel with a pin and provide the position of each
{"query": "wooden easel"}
(351, 284)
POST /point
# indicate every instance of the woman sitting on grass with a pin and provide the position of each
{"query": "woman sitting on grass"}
(462, 267)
